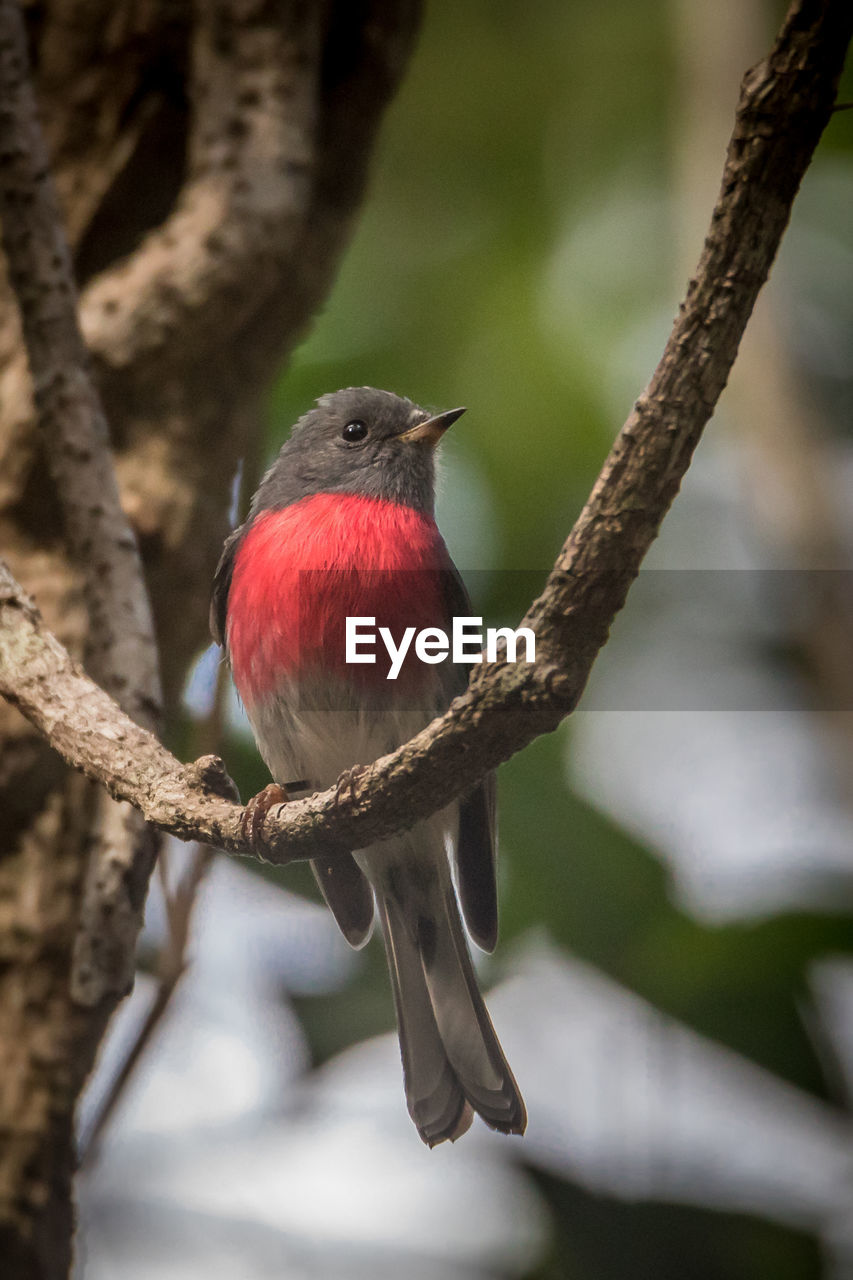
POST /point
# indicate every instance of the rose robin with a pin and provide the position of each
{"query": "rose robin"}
(342, 525)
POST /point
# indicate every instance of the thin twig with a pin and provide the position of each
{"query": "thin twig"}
(172, 964)
(180, 900)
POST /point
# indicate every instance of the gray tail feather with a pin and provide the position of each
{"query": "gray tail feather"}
(452, 1060)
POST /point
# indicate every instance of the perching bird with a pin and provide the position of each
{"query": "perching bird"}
(342, 525)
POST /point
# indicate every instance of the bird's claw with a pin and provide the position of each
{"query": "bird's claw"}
(254, 815)
(345, 785)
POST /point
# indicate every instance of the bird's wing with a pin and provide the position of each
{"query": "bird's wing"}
(222, 585)
(476, 848)
(348, 896)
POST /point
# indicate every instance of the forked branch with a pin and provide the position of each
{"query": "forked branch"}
(785, 104)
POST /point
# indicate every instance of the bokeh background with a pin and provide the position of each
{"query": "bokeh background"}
(674, 982)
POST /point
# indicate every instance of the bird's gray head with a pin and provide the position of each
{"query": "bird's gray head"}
(361, 441)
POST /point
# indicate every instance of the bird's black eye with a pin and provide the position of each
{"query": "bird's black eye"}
(354, 431)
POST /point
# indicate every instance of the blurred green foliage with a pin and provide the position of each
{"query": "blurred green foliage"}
(597, 1237)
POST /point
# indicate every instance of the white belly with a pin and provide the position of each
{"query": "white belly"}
(316, 734)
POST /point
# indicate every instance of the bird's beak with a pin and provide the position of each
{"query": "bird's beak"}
(433, 428)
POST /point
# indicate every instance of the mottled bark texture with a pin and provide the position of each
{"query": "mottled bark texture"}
(208, 159)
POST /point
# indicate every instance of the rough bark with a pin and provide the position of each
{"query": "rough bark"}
(194, 150)
(120, 650)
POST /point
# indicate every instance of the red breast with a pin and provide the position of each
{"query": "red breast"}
(302, 570)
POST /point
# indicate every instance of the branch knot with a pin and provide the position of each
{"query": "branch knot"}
(209, 775)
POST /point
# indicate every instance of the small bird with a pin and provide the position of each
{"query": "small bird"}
(343, 525)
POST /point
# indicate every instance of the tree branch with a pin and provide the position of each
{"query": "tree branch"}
(785, 104)
(222, 251)
(121, 650)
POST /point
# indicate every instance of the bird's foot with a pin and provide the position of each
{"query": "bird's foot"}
(254, 815)
(345, 785)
